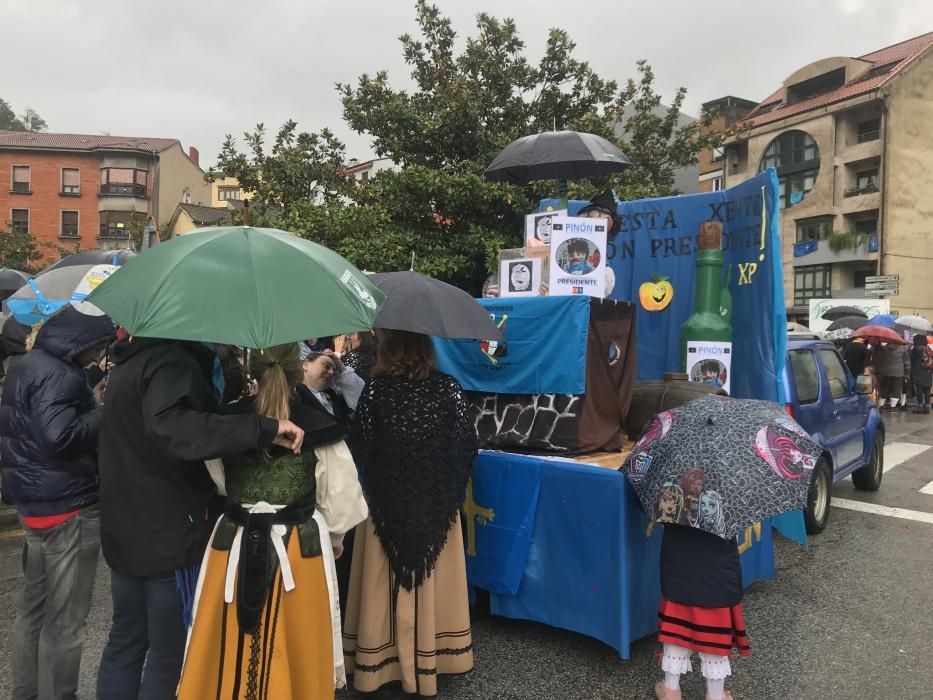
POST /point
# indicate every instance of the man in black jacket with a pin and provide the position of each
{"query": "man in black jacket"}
(49, 422)
(158, 503)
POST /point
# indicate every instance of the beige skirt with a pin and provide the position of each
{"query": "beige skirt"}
(427, 629)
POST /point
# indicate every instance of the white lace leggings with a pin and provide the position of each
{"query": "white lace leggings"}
(675, 661)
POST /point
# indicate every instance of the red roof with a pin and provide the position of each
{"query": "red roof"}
(81, 142)
(898, 56)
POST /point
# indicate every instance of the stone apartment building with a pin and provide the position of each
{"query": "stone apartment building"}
(67, 189)
(710, 162)
(852, 142)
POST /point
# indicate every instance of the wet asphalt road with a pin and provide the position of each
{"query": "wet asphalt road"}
(852, 618)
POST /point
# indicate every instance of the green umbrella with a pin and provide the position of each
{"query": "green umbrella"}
(239, 285)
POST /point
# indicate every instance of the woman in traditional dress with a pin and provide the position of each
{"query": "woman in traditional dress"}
(266, 621)
(408, 616)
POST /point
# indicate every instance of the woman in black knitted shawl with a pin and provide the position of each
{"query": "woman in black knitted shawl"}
(407, 611)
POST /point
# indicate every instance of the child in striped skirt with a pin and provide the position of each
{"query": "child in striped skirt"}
(701, 609)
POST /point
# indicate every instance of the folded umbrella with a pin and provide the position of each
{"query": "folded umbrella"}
(914, 324)
(853, 323)
(11, 280)
(47, 293)
(722, 465)
(238, 285)
(425, 305)
(838, 312)
(879, 334)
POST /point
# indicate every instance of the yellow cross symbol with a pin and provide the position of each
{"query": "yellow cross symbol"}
(475, 514)
(745, 545)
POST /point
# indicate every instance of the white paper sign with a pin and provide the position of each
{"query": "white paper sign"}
(538, 227)
(578, 257)
(818, 307)
(520, 278)
(710, 363)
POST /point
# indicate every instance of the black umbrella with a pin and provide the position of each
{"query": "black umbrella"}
(557, 155)
(722, 464)
(838, 312)
(11, 280)
(424, 305)
(94, 257)
(853, 323)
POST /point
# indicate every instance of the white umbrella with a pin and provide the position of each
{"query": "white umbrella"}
(917, 324)
(794, 327)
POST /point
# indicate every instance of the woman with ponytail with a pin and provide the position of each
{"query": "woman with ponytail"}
(407, 615)
(266, 616)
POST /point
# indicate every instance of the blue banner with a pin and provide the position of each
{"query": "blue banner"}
(586, 561)
(654, 260)
(499, 511)
(805, 248)
(543, 350)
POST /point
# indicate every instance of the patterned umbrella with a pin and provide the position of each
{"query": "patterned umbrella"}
(722, 465)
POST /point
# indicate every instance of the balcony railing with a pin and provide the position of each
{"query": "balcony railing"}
(865, 136)
(21, 187)
(111, 231)
(69, 232)
(123, 190)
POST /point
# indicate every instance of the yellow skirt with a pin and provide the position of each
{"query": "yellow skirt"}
(429, 627)
(291, 654)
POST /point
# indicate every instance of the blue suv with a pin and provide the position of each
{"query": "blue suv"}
(838, 411)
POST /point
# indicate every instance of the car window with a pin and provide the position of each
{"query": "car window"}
(835, 373)
(806, 376)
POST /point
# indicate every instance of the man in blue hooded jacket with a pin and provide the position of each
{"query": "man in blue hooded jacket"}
(50, 422)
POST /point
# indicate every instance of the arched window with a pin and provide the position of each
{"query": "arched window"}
(796, 157)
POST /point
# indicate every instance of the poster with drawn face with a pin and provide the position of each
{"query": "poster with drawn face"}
(520, 278)
(578, 256)
(538, 227)
(710, 363)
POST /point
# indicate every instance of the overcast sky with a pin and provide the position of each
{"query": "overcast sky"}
(198, 69)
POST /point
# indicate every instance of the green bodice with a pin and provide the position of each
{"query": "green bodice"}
(278, 481)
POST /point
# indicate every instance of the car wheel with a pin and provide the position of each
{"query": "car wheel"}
(868, 478)
(818, 498)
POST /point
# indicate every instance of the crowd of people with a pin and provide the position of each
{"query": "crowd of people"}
(273, 520)
(898, 371)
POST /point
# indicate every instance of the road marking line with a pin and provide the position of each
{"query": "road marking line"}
(12, 533)
(928, 489)
(903, 513)
(897, 453)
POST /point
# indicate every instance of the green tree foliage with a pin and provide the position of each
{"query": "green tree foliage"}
(28, 121)
(19, 251)
(464, 107)
(301, 167)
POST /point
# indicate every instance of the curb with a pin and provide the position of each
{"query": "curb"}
(8, 519)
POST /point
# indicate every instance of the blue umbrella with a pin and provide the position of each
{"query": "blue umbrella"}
(883, 320)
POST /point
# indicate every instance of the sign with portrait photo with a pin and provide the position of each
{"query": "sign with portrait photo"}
(578, 257)
(538, 227)
(710, 363)
(520, 277)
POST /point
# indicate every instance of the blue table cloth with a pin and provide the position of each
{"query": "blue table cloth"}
(564, 543)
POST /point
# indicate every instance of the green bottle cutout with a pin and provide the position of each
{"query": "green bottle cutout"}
(725, 298)
(707, 322)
